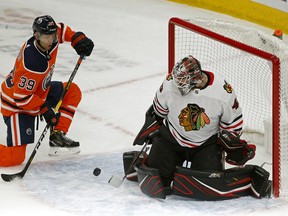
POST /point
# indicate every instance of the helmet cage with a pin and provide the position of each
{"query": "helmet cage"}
(185, 74)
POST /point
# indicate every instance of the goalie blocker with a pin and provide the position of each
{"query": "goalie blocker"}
(238, 151)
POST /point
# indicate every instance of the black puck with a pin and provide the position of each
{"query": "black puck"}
(97, 171)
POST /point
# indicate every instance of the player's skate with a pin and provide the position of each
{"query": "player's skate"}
(62, 145)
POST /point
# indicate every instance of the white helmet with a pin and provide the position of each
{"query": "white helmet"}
(185, 73)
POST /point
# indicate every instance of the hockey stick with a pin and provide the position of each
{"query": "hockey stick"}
(11, 177)
(116, 181)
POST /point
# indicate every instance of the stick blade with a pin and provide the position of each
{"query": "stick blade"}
(11, 177)
(115, 181)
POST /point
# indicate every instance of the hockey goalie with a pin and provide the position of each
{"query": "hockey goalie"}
(193, 128)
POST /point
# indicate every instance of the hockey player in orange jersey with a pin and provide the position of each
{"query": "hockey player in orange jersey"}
(28, 91)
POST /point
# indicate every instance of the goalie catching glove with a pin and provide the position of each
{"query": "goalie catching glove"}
(238, 151)
(150, 128)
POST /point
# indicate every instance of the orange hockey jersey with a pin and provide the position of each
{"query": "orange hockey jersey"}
(26, 87)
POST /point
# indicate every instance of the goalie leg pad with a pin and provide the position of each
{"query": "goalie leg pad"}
(128, 159)
(211, 186)
(150, 182)
(261, 185)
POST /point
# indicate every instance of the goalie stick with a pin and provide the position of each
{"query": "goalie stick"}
(11, 177)
(116, 181)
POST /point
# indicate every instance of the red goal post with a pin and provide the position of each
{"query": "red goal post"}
(256, 64)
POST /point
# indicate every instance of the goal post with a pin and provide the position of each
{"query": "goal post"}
(256, 65)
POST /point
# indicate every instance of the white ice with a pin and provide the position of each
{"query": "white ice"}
(118, 82)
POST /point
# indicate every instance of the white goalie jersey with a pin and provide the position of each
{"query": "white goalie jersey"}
(195, 117)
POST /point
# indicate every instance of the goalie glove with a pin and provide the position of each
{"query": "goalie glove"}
(238, 151)
(150, 128)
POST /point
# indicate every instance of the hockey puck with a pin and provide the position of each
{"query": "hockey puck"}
(97, 171)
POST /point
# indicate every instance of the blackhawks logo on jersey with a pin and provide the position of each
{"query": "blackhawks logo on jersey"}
(193, 117)
(169, 77)
(228, 87)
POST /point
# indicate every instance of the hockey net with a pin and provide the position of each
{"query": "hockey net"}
(256, 65)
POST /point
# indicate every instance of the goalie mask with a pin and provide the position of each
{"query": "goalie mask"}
(186, 74)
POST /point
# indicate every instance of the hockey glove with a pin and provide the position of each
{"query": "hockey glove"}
(237, 150)
(82, 44)
(150, 128)
(49, 115)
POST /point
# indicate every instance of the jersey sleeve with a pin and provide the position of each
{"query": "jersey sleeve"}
(232, 118)
(160, 102)
(65, 33)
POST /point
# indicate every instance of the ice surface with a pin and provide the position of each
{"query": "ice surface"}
(118, 82)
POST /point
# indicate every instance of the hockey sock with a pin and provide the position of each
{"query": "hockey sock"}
(12, 156)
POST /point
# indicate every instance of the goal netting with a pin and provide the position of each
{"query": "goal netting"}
(256, 65)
